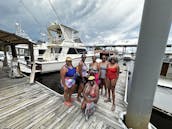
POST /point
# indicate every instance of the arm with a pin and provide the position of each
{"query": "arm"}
(99, 71)
(80, 69)
(97, 95)
(85, 94)
(62, 76)
(118, 71)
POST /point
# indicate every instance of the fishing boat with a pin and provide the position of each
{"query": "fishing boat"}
(63, 42)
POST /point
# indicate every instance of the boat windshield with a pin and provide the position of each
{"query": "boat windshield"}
(80, 51)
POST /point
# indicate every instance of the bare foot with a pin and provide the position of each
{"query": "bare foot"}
(101, 92)
(78, 99)
(67, 103)
(107, 100)
(105, 95)
(72, 99)
(113, 108)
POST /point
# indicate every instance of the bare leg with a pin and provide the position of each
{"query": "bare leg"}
(80, 91)
(66, 90)
(101, 87)
(104, 84)
(71, 91)
(113, 82)
(67, 97)
(83, 105)
(109, 88)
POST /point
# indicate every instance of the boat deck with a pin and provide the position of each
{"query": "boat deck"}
(162, 100)
(25, 106)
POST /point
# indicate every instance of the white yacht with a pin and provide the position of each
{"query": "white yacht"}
(163, 94)
(63, 42)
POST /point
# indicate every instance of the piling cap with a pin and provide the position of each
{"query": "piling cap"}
(68, 59)
(90, 78)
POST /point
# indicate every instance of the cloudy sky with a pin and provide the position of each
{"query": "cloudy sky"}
(96, 20)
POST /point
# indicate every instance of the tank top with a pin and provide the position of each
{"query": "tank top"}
(103, 68)
(71, 71)
(84, 70)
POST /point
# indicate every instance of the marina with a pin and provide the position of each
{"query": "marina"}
(38, 78)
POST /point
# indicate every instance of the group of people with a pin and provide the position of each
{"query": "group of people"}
(100, 76)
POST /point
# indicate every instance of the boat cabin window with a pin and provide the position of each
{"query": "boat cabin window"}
(26, 52)
(41, 52)
(57, 50)
(81, 51)
(71, 51)
(20, 51)
(51, 50)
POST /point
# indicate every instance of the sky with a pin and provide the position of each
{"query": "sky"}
(96, 20)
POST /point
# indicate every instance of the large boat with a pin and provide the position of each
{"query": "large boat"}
(163, 94)
(63, 42)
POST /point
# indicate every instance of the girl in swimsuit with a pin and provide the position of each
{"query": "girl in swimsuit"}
(67, 74)
(103, 67)
(112, 77)
(91, 95)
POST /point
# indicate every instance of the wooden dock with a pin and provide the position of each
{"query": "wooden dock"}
(25, 106)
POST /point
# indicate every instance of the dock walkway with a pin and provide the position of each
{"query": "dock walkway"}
(25, 106)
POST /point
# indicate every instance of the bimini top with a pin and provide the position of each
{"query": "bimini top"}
(65, 31)
(57, 27)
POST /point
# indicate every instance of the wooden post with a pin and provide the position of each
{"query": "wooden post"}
(13, 50)
(32, 75)
(5, 63)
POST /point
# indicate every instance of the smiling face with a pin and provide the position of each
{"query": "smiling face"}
(68, 63)
(83, 57)
(114, 60)
(103, 58)
(91, 82)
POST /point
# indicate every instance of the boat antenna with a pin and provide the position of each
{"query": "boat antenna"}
(54, 10)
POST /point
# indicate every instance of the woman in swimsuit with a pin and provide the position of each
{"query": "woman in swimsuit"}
(103, 67)
(94, 69)
(91, 94)
(82, 78)
(112, 77)
(67, 74)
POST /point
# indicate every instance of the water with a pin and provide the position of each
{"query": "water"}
(160, 120)
(52, 80)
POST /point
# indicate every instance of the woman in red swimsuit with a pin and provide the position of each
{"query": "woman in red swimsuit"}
(112, 75)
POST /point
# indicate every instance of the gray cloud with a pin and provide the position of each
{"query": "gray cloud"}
(95, 19)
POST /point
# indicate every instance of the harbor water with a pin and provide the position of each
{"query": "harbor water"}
(52, 80)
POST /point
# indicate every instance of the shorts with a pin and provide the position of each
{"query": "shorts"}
(69, 82)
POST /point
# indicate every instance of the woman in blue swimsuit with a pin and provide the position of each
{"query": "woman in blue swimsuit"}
(68, 80)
